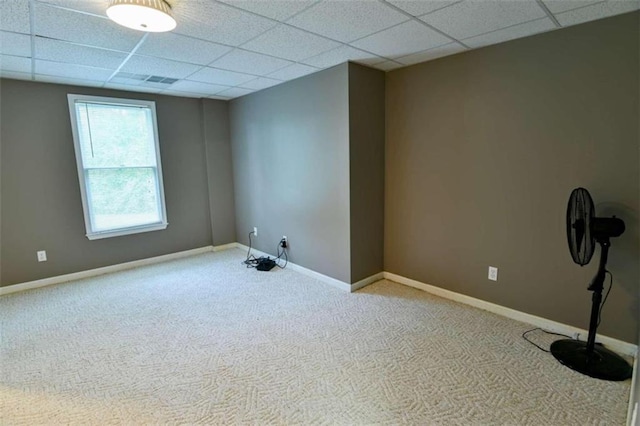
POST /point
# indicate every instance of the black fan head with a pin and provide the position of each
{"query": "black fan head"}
(580, 214)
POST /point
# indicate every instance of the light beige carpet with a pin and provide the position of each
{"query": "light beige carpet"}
(205, 340)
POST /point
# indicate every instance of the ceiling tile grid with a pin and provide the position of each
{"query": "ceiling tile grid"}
(280, 10)
(292, 72)
(347, 20)
(401, 40)
(66, 25)
(597, 11)
(249, 62)
(289, 43)
(470, 18)
(15, 64)
(510, 33)
(54, 50)
(421, 7)
(342, 54)
(15, 44)
(181, 48)
(235, 92)
(260, 83)
(156, 66)
(223, 49)
(70, 71)
(14, 16)
(218, 76)
(73, 81)
(430, 54)
(217, 22)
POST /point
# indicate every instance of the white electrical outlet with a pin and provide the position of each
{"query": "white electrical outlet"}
(255, 231)
(42, 256)
(493, 273)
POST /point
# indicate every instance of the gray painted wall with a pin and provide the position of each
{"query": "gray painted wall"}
(220, 175)
(41, 204)
(366, 170)
(482, 151)
(290, 146)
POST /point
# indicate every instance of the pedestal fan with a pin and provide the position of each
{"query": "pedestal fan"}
(584, 229)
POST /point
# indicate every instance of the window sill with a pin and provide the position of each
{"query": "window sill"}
(127, 231)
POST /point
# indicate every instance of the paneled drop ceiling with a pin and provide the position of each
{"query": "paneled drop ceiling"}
(229, 48)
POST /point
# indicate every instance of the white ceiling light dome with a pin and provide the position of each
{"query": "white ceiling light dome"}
(142, 15)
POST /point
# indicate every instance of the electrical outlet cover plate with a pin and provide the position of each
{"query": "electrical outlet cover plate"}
(493, 273)
(42, 256)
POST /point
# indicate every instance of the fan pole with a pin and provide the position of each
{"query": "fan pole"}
(597, 285)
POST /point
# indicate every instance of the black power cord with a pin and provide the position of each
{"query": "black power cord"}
(282, 245)
(252, 262)
(524, 336)
(605, 296)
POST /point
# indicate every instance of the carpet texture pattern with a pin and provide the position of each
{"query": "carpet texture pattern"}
(203, 340)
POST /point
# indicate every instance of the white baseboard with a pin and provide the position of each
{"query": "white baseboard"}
(321, 277)
(365, 282)
(632, 411)
(101, 271)
(616, 345)
(225, 247)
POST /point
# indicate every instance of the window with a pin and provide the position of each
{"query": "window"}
(118, 158)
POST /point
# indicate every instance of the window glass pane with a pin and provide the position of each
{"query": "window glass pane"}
(120, 198)
(115, 135)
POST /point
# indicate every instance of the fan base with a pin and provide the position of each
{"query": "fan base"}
(602, 363)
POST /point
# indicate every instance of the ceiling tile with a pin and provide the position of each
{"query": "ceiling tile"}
(60, 51)
(14, 16)
(70, 81)
(289, 43)
(471, 18)
(342, 54)
(14, 75)
(427, 55)
(597, 11)
(401, 40)
(387, 65)
(130, 88)
(421, 7)
(510, 33)
(260, 83)
(181, 48)
(156, 66)
(234, 92)
(171, 92)
(96, 7)
(218, 22)
(222, 77)
(249, 62)
(347, 20)
(15, 64)
(83, 29)
(204, 89)
(292, 71)
(15, 44)
(559, 6)
(279, 10)
(71, 71)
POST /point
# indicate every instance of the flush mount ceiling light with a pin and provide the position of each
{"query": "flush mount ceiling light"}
(142, 15)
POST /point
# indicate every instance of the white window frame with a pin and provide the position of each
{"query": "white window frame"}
(94, 235)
